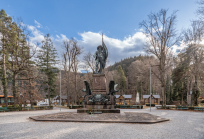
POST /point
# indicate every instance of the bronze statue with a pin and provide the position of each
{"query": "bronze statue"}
(87, 90)
(101, 56)
(112, 88)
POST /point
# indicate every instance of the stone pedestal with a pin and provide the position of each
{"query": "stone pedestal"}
(99, 84)
(99, 98)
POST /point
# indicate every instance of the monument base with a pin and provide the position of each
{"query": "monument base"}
(99, 106)
(98, 110)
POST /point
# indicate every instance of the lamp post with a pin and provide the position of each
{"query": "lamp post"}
(150, 90)
(60, 90)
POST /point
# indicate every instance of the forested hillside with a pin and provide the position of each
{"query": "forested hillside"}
(125, 63)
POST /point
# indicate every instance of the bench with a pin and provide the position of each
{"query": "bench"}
(199, 109)
(4, 109)
(182, 108)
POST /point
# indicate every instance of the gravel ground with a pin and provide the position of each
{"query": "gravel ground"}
(182, 125)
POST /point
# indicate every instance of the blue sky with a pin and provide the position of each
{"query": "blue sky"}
(85, 20)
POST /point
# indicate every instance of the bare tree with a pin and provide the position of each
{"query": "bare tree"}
(193, 55)
(161, 34)
(67, 65)
(89, 61)
(89, 64)
(77, 51)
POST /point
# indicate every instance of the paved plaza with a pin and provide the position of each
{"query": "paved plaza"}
(182, 125)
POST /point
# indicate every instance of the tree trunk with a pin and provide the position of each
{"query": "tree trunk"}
(67, 97)
(196, 91)
(162, 96)
(4, 79)
(14, 88)
(48, 91)
(182, 94)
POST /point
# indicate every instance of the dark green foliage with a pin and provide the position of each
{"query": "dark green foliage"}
(125, 63)
(14, 108)
(121, 81)
(130, 106)
(152, 105)
(75, 107)
(191, 108)
(47, 61)
(202, 101)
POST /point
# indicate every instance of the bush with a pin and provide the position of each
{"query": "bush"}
(3, 105)
(202, 101)
(14, 109)
(191, 108)
(75, 107)
(129, 106)
(152, 105)
(17, 105)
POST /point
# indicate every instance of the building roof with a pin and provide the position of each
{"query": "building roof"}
(63, 97)
(125, 96)
(7, 96)
(155, 96)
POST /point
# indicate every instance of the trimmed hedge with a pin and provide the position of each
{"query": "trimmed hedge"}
(75, 106)
(29, 108)
(152, 105)
(131, 106)
(14, 108)
(43, 107)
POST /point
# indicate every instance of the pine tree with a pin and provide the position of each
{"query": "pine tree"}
(4, 30)
(122, 81)
(47, 60)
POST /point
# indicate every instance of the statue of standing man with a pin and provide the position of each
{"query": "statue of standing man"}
(101, 56)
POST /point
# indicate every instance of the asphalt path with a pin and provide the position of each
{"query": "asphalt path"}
(182, 125)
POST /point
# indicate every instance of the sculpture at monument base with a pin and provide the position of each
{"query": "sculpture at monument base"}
(101, 101)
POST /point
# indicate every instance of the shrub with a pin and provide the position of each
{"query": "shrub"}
(202, 101)
(14, 109)
(152, 105)
(75, 107)
(191, 108)
(3, 105)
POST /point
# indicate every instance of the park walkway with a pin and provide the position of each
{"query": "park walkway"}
(182, 125)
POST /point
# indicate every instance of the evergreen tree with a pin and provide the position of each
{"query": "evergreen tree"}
(122, 81)
(47, 60)
(4, 31)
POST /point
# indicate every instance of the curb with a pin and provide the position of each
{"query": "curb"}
(100, 121)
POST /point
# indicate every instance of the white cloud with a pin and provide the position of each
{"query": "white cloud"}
(57, 36)
(118, 49)
(37, 24)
